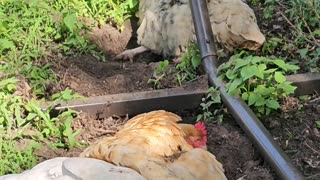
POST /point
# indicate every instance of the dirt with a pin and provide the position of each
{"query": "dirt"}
(90, 77)
(295, 130)
(235, 151)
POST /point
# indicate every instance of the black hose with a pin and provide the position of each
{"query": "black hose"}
(260, 136)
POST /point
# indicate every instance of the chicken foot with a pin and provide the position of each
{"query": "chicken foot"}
(130, 53)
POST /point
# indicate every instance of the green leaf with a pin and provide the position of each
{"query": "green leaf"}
(230, 74)
(287, 67)
(268, 111)
(291, 67)
(263, 90)
(199, 117)
(245, 96)
(262, 67)
(6, 44)
(257, 59)
(248, 72)
(271, 103)
(317, 32)
(132, 3)
(261, 110)
(71, 21)
(235, 84)
(260, 72)
(268, 71)
(287, 87)
(252, 99)
(260, 101)
(279, 77)
(240, 63)
(31, 116)
(303, 52)
(196, 61)
(280, 63)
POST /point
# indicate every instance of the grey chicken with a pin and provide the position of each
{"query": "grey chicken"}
(166, 26)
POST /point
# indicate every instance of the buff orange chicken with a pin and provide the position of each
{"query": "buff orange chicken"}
(157, 147)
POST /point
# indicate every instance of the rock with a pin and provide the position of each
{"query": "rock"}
(63, 168)
(108, 38)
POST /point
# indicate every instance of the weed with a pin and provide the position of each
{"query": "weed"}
(260, 81)
(65, 95)
(187, 68)
(15, 158)
(254, 2)
(23, 120)
(190, 62)
(271, 45)
(159, 73)
(311, 58)
(207, 106)
(302, 16)
(39, 77)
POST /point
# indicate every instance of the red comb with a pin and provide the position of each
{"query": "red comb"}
(201, 127)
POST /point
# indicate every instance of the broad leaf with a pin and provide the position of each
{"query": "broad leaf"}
(248, 72)
(279, 77)
(272, 104)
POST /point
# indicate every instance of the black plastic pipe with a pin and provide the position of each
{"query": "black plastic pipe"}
(260, 136)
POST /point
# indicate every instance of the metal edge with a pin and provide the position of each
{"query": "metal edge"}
(174, 99)
(307, 83)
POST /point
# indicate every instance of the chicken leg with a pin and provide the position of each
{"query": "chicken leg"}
(130, 53)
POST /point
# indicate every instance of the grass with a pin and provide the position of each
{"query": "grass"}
(32, 32)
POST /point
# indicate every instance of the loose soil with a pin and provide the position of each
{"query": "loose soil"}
(293, 128)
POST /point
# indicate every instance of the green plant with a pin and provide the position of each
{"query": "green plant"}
(16, 158)
(254, 2)
(158, 74)
(260, 81)
(39, 77)
(111, 11)
(311, 58)
(271, 44)
(190, 62)
(24, 121)
(65, 95)
(318, 124)
(207, 106)
(302, 17)
(268, 11)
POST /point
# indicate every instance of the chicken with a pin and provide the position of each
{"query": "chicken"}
(157, 147)
(167, 26)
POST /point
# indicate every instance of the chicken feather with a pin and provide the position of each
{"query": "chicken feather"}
(167, 26)
(153, 144)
